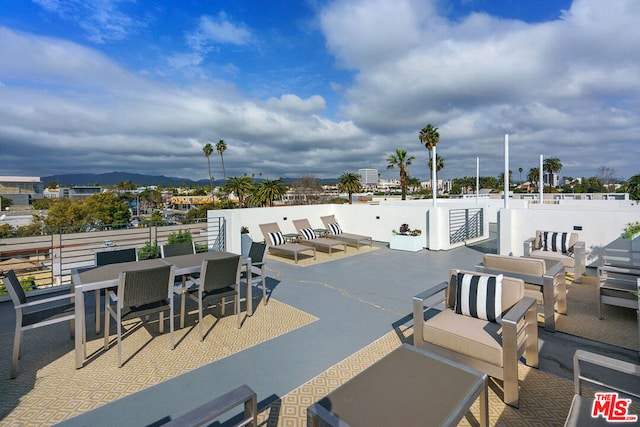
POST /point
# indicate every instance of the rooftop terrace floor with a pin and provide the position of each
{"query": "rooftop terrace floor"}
(356, 300)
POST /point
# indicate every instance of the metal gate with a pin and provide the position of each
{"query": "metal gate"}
(465, 224)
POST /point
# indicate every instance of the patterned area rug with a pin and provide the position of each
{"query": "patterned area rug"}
(48, 389)
(544, 398)
(305, 259)
(619, 325)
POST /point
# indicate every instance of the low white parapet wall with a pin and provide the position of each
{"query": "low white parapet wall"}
(598, 227)
(375, 220)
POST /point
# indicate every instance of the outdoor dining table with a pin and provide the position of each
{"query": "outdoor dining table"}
(106, 276)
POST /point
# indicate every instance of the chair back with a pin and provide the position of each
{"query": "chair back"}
(257, 252)
(512, 289)
(116, 257)
(329, 219)
(511, 264)
(145, 286)
(14, 287)
(220, 273)
(177, 249)
(299, 224)
(271, 227)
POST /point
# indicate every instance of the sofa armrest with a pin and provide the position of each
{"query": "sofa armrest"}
(579, 252)
(513, 327)
(528, 246)
(418, 308)
(605, 362)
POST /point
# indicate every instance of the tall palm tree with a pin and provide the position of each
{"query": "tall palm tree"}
(439, 163)
(350, 183)
(551, 165)
(414, 183)
(221, 147)
(208, 150)
(532, 177)
(401, 160)
(267, 191)
(429, 137)
(520, 170)
(240, 186)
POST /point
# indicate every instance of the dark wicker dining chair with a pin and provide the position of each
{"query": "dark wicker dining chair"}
(31, 314)
(140, 293)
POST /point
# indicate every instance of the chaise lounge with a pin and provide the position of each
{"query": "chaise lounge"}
(310, 237)
(276, 242)
(335, 232)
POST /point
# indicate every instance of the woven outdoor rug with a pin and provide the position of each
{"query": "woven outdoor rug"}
(48, 389)
(306, 259)
(619, 325)
(544, 398)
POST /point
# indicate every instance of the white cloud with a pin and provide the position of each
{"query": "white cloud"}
(216, 30)
(295, 104)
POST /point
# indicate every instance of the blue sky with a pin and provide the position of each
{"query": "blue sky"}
(317, 87)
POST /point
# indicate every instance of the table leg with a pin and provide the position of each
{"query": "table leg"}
(484, 404)
(183, 303)
(80, 339)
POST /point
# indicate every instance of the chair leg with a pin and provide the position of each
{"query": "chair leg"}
(161, 322)
(106, 323)
(119, 326)
(97, 297)
(17, 343)
(224, 304)
(264, 290)
(200, 308)
(171, 320)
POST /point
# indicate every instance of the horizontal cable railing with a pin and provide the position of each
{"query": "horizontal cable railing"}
(46, 260)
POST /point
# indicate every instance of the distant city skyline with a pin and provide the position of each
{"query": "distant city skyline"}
(318, 87)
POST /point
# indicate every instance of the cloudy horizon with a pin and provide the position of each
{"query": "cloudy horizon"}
(318, 87)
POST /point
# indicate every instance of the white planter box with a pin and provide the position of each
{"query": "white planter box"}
(405, 243)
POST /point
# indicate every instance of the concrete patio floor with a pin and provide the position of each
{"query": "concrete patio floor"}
(356, 299)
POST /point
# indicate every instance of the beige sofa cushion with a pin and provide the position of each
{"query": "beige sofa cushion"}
(466, 335)
(530, 266)
(534, 291)
(567, 261)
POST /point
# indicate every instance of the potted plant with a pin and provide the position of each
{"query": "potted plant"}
(406, 239)
(632, 232)
(245, 241)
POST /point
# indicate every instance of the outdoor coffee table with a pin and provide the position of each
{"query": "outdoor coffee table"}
(408, 387)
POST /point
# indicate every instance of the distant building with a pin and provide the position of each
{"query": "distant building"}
(368, 177)
(22, 190)
(77, 192)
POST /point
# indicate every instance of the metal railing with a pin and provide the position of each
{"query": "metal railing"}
(465, 224)
(46, 260)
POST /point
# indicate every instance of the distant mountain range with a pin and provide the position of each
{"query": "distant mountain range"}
(113, 178)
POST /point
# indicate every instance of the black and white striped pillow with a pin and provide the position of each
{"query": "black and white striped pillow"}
(479, 296)
(276, 238)
(308, 233)
(335, 228)
(553, 241)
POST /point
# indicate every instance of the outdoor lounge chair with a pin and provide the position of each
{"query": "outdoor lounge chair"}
(310, 237)
(140, 293)
(546, 285)
(467, 331)
(558, 246)
(276, 242)
(335, 232)
(582, 408)
(258, 255)
(31, 314)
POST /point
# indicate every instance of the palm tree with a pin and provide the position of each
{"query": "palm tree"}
(401, 160)
(240, 186)
(414, 183)
(429, 137)
(551, 165)
(208, 149)
(632, 186)
(520, 170)
(439, 163)
(532, 177)
(267, 191)
(221, 147)
(349, 182)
